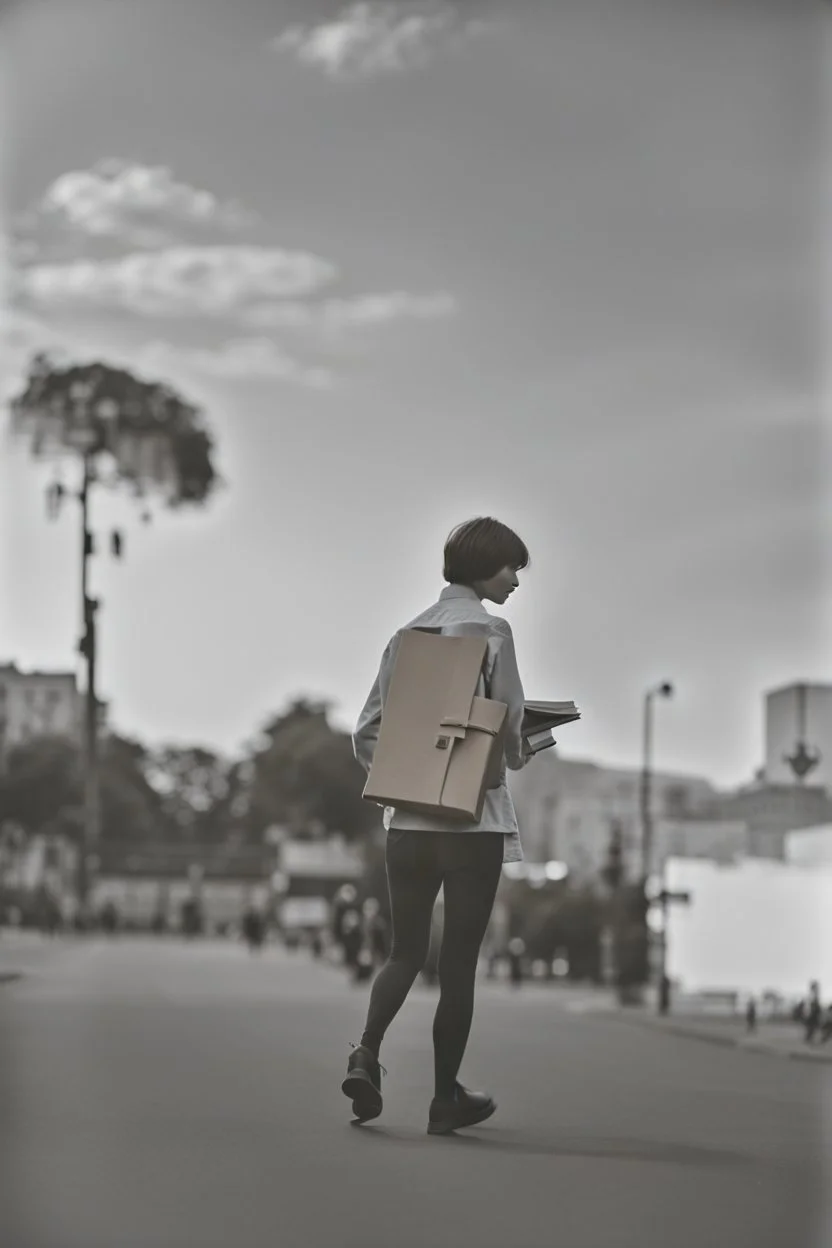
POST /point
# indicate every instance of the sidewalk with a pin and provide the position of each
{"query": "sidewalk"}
(776, 1039)
(24, 951)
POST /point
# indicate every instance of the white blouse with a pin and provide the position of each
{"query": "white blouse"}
(459, 605)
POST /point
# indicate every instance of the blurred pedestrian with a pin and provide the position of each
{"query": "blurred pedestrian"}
(664, 994)
(826, 1025)
(516, 955)
(159, 923)
(344, 903)
(375, 930)
(352, 938)
(424, 854)
(253, 928)
(192, 917)
(109, 918)
(751, 1015)
(812, 1013)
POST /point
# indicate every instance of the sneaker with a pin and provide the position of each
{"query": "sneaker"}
(465, 1110)
(363, 1083)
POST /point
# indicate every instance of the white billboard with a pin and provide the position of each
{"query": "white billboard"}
(754, 926)
(810, 847)
(304, 912)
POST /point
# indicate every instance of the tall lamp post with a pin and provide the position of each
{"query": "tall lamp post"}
(664, 690)
(87, 433)
(126, 432)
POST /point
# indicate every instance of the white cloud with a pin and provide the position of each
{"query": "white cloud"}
(22, 336)
(336, 315)
(241, 359)
(179, 281)
(374, 38)
(138, 202)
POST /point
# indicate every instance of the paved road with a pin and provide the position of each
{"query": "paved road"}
(171, 1095)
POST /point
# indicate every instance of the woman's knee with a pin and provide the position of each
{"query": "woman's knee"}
(458, 965)
(411, 956)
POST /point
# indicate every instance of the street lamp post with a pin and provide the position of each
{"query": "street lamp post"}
(664, 690)
(154, 440)
(88, 435)
(88, 648)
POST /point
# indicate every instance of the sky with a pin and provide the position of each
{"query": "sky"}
(555, 262)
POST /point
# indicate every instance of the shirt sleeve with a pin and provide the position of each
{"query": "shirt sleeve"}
(506, 686)
(365, 737)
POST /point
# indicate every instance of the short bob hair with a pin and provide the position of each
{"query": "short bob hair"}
(479, 549)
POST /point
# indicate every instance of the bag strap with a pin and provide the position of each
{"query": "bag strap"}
(438, 631)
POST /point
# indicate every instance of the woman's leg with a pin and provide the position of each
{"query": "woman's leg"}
(473, 865)
(413, 878)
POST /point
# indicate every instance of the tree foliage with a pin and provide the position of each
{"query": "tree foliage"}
(157, 441)
(304, 775)
(572, 921)
(203, 796)
(41, 789)
(301, 775)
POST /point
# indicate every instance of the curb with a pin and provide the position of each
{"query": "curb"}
(725, 1042)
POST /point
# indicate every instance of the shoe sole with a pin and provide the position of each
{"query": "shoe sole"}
(446, 1126)
(365, 1096)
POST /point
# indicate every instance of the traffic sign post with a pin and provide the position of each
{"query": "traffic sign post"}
(667, 898)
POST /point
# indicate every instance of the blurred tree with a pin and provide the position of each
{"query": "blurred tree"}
(631, 935)
(137, 433)
(304, 775)
(40, 783)
(202, 794)
(41, 789)
(131, 810)
(572, 920)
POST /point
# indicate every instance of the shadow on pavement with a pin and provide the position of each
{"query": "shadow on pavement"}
(604, 1149)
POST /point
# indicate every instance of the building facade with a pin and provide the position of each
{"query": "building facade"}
(146, 882)
(795, 714)
(771, 811)
(37, 704)
(713, 840)
(567, 811)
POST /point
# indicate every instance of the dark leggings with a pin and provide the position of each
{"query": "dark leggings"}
(468, 866)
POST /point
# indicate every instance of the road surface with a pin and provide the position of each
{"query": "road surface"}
(164, 1095)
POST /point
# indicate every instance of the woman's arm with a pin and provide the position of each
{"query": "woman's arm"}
(506, 686)
(365, 737)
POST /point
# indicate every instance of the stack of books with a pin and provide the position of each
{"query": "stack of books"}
(540, 720)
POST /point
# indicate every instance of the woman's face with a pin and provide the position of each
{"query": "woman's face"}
(497, 588)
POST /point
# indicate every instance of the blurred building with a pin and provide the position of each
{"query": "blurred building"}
(772, 811)
(567, 810)
(313, 872)
(810, 847)
(37, 704)
(794, 715)
(147, 880)
(713, 840)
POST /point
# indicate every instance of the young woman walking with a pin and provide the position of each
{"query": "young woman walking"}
(482, 559)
